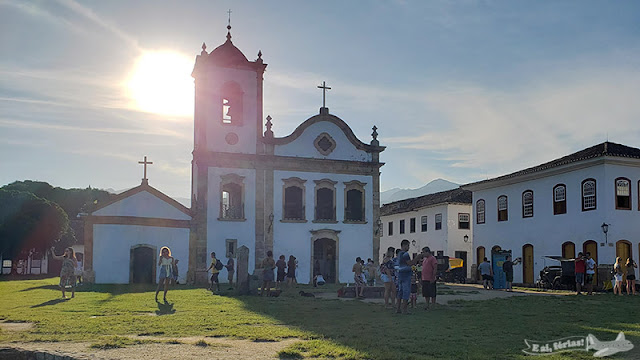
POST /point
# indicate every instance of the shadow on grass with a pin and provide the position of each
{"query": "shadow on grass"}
(466, 329)
(42, 287)
(119, 289)
(165, 308)
(50, 302)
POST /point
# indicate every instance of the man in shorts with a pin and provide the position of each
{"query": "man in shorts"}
(214, 272)
(487, 274)
(357, 277)
(579, 269)
(590, 266)
(429, 271)
(507, 267)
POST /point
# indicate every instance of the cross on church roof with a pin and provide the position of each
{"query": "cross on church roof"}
(324, 88)
(145, 163)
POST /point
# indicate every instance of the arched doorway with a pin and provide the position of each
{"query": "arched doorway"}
(527, 264)
(142, 269)
(324, 259)
(569, 250)
(592, 247)
(624, 251)
(496, 248)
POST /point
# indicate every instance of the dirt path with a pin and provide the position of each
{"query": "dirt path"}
(217, 348)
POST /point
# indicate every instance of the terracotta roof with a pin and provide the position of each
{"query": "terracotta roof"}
(458, 196)
(604, 149)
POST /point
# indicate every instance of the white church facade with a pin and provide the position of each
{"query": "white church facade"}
(313, 194)
(585, 201)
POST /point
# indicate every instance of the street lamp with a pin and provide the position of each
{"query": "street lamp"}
(466, 238)
(605, 230)
(413, 242)
(378, 226)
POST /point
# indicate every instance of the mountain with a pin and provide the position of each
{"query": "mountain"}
(434, 186)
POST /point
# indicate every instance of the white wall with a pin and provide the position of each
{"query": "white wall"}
(142, 204)
(303, 145)
(219, 231)
(295, 238)
(112, 246)
(546, 231)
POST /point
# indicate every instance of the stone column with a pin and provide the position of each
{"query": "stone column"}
(242, 270)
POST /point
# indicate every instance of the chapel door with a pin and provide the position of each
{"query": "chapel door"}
(142, 265)
(527, 264)
(324, 259)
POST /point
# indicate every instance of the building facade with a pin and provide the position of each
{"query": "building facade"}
(313, 194)
(441, 221)
(561, 208)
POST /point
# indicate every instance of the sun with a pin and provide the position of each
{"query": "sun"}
(161, 83)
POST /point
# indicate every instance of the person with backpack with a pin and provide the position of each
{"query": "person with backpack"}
(215, 268)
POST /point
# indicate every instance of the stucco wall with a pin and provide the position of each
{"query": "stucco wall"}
(142, 204)
(295, 238)
(112, 245)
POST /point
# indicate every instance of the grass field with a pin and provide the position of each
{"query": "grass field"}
(493, 329)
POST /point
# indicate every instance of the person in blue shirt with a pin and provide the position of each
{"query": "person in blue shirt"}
(404, 277)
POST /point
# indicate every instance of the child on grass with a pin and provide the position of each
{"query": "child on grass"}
(413, 297)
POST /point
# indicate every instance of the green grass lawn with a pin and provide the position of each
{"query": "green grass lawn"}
(493, 329)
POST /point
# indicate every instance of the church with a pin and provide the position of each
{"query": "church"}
(314, 194)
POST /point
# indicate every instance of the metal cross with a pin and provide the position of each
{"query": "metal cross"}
(229, 12)
(324, 88)
(145, 163)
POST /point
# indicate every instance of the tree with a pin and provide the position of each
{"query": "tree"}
(30, 222)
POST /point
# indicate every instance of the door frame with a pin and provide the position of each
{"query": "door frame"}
(154, 252)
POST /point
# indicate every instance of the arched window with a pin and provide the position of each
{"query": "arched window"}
(354, 209)
(588, 194)
(527, 204)
(293, 203)
(559, 199)
(480, 211)
(231, 102)
(503, 213)
(325, 200)
(232, 197)
(623, 194)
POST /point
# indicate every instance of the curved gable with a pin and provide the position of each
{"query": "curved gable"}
(324, 136)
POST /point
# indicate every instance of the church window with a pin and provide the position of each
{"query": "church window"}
(503, 210)
(623, 194)
(423, 224)
(527, 204)
(294, 201)
(354, 210)
(325, 201)
(480, 211)
(412, 225)
(588, 194)
(325, 144)
(438, 221)
(559, 199)
(390, 228)
(232, 197)
(231, 102)
(231, 246)
(401, 226)
(464, 221)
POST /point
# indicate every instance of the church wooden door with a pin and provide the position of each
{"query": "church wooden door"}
(324, 259)
(142, 265)
(527, 264)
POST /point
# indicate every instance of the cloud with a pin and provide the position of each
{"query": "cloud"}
(41, 14)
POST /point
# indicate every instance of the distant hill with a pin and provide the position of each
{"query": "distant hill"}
(434, 186)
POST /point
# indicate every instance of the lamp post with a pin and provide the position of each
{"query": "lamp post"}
(378, 226)
(605, 230)
(466, 238)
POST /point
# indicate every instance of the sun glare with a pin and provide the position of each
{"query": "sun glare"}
(161, 83)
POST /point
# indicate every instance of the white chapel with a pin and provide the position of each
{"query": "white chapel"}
(313, 194)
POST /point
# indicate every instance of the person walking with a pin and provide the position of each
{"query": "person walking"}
(580, 268)
(165, 262)
(215, 268)
(291, 270)
(357, 278)
(282, 271)
(631, 276)
(404, 277)
(590, 266)
(231, 269)
(429, 271)
(67, 272)
(268, 264)
(487, 274)
(617, 276)
(386, 275)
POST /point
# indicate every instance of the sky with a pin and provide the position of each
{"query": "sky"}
(459, 90)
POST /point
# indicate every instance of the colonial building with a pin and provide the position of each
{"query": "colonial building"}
(313, 194)
(585, 201)
(441, 221)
